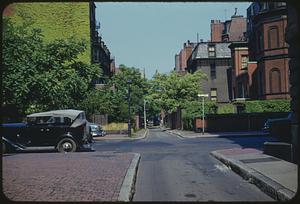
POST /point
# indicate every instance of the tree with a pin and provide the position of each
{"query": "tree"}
(175, 91)
(40, 76)
(118, 93)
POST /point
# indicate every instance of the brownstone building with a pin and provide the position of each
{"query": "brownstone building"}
(265, 31)
(239, 77)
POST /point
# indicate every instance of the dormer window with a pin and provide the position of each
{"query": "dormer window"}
(211, 51)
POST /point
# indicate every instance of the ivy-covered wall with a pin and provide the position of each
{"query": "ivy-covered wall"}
(56, 20)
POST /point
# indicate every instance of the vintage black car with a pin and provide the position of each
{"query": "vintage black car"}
(65, 130)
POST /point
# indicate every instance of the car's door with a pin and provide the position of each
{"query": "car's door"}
(42, 132)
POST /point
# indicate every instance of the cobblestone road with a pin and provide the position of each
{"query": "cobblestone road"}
(82, 176)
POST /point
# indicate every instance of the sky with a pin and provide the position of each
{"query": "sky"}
(148, 35)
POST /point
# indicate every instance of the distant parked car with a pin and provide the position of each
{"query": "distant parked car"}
(96, 130)
(270, 123)
(66, 130)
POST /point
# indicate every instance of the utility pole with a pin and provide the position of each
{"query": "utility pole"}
(129, 111)
(203, 124)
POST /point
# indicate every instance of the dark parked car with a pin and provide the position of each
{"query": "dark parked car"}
(279, 128)
(66, 130)
(96, 130)
(276, 121)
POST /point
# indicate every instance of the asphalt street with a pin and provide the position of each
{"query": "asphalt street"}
(180, 169)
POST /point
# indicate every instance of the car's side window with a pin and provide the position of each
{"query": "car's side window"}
(67, 121)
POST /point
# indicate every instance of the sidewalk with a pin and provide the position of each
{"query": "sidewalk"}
(141, 134)
(192, 134)
(72, 177)
(275, 177)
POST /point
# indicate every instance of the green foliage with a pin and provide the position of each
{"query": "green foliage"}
(96, 101)
(259, 106)
(194, 110)
(118, 93)
(39, 76)
(57, 20)
(174, 90)
(227, 108)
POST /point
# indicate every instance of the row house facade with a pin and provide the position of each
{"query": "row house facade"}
(214, 59)
(100, 52)
(266, 26)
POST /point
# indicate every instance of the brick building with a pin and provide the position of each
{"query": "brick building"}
(242, 83)
(230, 30)
(59, 20)
(215, 59)
(265, 32)
(182, 57)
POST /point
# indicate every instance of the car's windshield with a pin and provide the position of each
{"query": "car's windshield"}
(95, 128)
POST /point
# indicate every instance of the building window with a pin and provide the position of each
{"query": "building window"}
(213, 73)
(273, 40)
(275, 80)
(244, 61)
(211, 51)
(213, 94)
(96, 55)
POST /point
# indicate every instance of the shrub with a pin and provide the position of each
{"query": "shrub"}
(259, 106)
(193, 110)
(227, 108)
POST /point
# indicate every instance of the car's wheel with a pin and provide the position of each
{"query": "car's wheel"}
(66, 145)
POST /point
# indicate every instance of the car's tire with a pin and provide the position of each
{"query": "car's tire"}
(66, 145)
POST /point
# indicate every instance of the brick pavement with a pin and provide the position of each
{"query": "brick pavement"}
(79, 176)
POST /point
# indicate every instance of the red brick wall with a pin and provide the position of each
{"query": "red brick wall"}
(237, 28)
(216, 27)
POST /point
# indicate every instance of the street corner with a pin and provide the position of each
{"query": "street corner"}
(275, 177)
(128, 186)
(141, 134)
(102, 176)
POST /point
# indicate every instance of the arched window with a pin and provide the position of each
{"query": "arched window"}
(273, 40)
(275, 80)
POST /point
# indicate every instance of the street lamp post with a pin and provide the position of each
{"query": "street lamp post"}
(129, 111)
(203, 124)
(145, 121)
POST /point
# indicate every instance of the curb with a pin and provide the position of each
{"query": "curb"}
(126, 138)
(144, 136)
(128, 186)
(265, 184)
(218, 136)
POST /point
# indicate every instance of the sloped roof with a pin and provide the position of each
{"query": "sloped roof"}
(222, 50)
(70, 113)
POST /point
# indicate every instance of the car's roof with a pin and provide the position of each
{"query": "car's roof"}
(70, 113)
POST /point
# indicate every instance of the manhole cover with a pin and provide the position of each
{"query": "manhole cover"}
(190, 195)
(268, 159)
